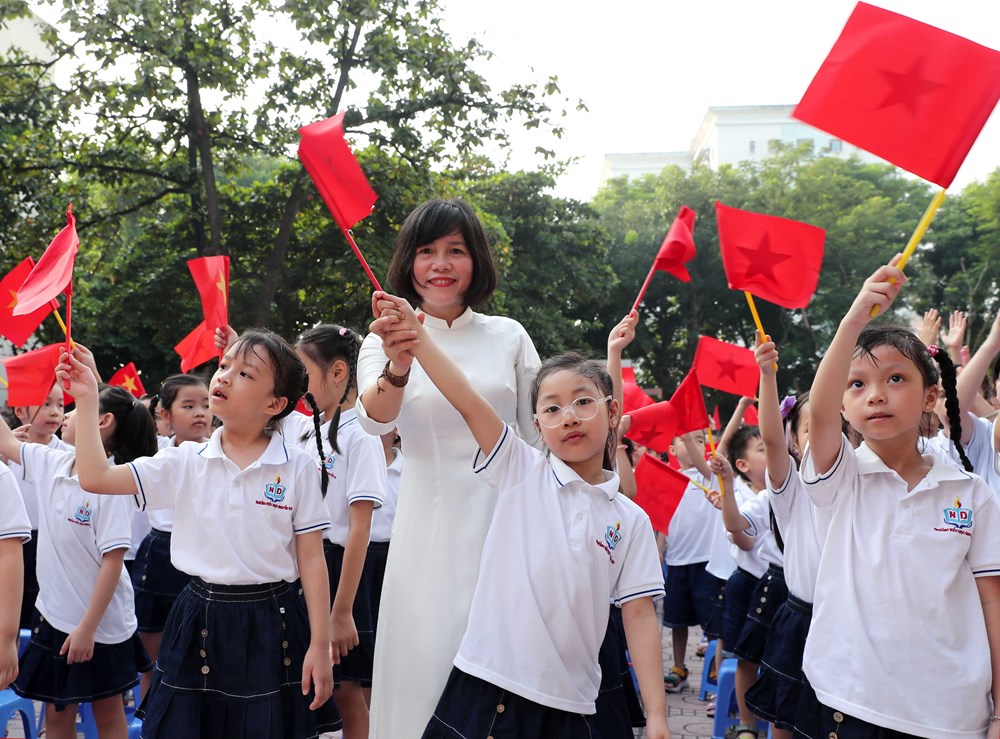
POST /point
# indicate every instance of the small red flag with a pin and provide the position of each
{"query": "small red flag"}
(774, 258)
(18, 329)
(689, 404)
(197, 347)
(716, 421)
(128, 378)
(659, 489)
(54, 272)
(633, 396)
(726, 367)
(30, 376)
(750, 416)
(211, 276)
(653, 426)
(678, 247)
(905, 91)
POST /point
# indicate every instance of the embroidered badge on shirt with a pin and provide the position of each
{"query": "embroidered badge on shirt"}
(82, 515)
(274, 491)
(960, 518)
(612, 535)
(328, 461)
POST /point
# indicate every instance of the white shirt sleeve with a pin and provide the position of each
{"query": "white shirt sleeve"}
(526, 367)
(14, 522)
(158, 478)
(365, 470)
(984, 551)
(112, 522)
(641, 574)
(824, 486)
(509, 463)
(310, 513)
(371, 361)
(757, 512)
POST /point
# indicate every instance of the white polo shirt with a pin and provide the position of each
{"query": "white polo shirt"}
(750, 560)
(75, 530)
(233, 526)
(691, 528)
(898, 637)
(757, 511)
(383, 516)
(558, 549)
(28, 488)
(357, 473)
(161, 519)
(981, 453)
(720, 562)
(803, 529)
(14, 522)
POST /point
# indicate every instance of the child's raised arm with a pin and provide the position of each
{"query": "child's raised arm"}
(484, 423)
(621, 336)
(735, 421)
(734, 522)
(771, 430)
(971, 379)
(828, 386)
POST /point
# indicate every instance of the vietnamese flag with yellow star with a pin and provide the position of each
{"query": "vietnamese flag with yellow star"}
(31, 375)
(906, 91)
(18, 329)
(776, 259)
(211, 275)
(726, 367)
(128, 378)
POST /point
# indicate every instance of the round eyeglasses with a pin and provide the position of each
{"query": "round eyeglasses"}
(583, 408)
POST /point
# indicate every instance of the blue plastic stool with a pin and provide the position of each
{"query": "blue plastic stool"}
(23, 637)
(135, 728)
(707, 684)
(725, 702)
(11, 703)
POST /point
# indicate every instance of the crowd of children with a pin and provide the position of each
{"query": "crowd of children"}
(846, 550)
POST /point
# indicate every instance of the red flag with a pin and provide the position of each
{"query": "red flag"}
(19, 328)
(633, 396)
(211, 276)
(678, 247)
(689, 404)
(30, 376)
(659, 489)
(128, 378)
(54, 272)
(774, 258)
(653, 426)
(716, 421)
(726, 367)
(197, 347)
(303, 407)
(905, 91)
(750, 416)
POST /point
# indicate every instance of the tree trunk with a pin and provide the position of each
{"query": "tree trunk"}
(276, 259)
(197, 213)
(201, 137)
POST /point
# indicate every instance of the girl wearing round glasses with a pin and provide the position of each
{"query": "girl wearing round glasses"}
(562, 541)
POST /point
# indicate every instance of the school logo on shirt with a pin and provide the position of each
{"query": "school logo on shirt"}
(960, 518)
(82, 515)
(274, 491)
(613, 535)
(328, 461)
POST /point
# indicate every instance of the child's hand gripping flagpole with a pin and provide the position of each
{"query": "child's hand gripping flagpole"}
(918, 234)
(711, 446)
(756, 315)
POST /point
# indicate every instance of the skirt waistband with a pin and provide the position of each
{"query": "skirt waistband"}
(776, 571)
(748, 574)
(237, 593)
(799, 606)
(160, 533)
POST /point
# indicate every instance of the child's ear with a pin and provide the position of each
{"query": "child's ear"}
(742, 465)
(21, 413)
(931, 397)
(106, 421)
(340, 371)
(276, 405)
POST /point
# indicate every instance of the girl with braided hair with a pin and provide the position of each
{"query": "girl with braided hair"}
(354, 464)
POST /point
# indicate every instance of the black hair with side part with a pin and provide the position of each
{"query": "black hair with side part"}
(169, 390)
(589, 369)
(738, 446)
(135, 430)
(428, 223)
(907, 343)
(325, 344)
(290, 378)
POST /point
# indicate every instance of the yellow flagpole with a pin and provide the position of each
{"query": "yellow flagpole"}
(756, 315)
(711, 445)
(918, 234)
(62, 325)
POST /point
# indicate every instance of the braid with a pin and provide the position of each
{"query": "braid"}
(324, 479)
(352, 371)
(948, 381)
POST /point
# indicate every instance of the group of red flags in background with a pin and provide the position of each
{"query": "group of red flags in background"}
(908, 92)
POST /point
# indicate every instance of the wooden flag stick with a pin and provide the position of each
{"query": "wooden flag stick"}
(4, 382)
(357, 253)
(699, 485)
(711, 445)
(642, 290)
(756, 318)
(918, 234)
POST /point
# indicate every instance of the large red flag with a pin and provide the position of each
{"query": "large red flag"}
(659, 489)
(54, 272)
(30, 376)
(905, 91)
(633, 396)
(689, 404)
(774, 258)
(128, 378)
(726, 367)
(197, 347)
(18, 329)
(211, 276)
(653, 426)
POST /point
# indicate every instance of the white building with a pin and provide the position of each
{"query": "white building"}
(730, 135)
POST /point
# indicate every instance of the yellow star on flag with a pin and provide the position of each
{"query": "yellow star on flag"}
(129, 384)
(13, 299)
(221, 284)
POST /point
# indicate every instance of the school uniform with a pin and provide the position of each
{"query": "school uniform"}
(721, 566)
(750, 568)
(156, 581)
(14, 523)
(980, 451)
(378, 546)
(898, 640)
(557, 549)
(30, 499)
(76, 529)
(230, 662)
(803, 528)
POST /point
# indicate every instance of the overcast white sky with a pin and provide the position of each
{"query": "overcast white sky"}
(649, 69)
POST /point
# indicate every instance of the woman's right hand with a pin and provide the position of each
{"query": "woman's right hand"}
(398, 325)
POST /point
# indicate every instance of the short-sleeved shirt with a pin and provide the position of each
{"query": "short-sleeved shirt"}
(757, 511)
(28, 488)
(980, 451)
(692, 526)
(233, 526)
(897, 607)
(558, 549)
(75, 530)
(161, 519)
(383, 516)
(14, 523)
(750, 560)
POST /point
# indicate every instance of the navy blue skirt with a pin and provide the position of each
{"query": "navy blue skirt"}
(775, 695)
(357, 665)
(44, 675)
(713, 629)
(817, 721)
(157, 583)
(471, 708)
(378, 553)
(739, 589)
(618, 707)
(30, 553)
(230, 665)
(767, 597)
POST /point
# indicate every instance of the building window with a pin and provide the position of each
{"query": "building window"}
(753, 147)
(836, 146)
